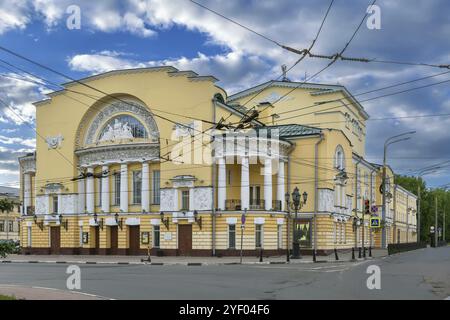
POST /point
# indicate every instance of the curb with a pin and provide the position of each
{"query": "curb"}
(178, 263)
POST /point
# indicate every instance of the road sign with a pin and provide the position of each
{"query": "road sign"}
(243, 219)
(375, 222)
(374, 209)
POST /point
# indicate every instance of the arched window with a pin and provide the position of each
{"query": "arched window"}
(123, 127)
(339, 158)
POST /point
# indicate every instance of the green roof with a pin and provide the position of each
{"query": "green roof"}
(293, 130)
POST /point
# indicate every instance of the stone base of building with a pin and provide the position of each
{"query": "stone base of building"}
(174, 252)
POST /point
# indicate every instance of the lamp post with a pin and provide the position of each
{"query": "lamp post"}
(387, 143)
(421, 173)
(296, 200)
(287, 197)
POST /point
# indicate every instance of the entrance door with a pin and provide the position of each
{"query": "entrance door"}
(184, 239)
(55, 240)
(97, 240)
(133, 240)
(114, 242)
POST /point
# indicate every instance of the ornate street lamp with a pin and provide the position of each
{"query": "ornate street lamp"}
(296, 244)
(287, 198)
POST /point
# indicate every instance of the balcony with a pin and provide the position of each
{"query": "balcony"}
(235, 204)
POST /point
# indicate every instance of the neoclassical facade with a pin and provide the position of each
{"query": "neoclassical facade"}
(164, 161)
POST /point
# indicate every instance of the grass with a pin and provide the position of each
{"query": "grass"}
(3, 297)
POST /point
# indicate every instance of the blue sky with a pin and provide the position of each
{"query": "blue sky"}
(137, 33)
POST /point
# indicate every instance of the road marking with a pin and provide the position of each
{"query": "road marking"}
(54, 289)
(448, 298)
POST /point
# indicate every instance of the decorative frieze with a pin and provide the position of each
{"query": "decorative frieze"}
(118, 153)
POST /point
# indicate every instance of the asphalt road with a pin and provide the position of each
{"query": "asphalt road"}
(421, 274)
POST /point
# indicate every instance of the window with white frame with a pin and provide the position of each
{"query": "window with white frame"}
(335, 232)
(339, 158)
(81, 236)
(98, 194)
(258, 235)
(231, 236)
(2, 226)
(55, 204)
(137, 187)
(280, 236)
(156, 236)
(116, 188)
(29, 237)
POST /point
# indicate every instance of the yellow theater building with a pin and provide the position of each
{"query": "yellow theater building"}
(162, 160)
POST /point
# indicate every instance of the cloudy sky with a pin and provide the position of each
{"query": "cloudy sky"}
(137, 33)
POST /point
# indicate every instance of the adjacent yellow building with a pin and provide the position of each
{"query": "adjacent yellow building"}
(162, 160)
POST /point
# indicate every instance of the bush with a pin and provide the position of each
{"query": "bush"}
(7, 247)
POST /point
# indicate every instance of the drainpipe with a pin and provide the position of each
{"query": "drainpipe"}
(371, 197)
(356, 202)
(316, 189)
(214, 187)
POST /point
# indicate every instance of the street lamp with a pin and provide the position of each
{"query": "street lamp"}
(388, 142)
(287, 197)
(298, 204)
(419, 177)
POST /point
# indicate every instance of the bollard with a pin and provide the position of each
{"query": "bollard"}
(359, 253)
(336, 254)
(364, 252)
(370, 251)
(353, 253)
(314, 256)
(261, 255)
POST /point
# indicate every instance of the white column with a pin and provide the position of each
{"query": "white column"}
(90, 205)
(60, 203)
(222, 184)
(245, 184)
(81, 196)
(176, 206)
(281, 189)
(105, 189)
(124, 187)
(191, 199)
(268, 183)
(145, 197)
(27, 192)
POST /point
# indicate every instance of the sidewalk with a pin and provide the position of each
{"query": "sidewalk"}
(39, 293)
(190, 261)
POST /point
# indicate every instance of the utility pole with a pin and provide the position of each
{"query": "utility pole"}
(436, 232)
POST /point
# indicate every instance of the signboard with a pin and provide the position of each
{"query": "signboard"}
(168, 236)
(85, 237)
(374, 209)
(243, 220)
(375, 222)
(145, 237)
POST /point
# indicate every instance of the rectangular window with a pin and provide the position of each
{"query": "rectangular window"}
(255, 196)
(29, 236)
(55, 204)
(280, 236)
(2, 226)
(185, 200)
(117, 189)
(99, 192)
(156, 187)
(10, 226)
(156, 235)
(231, 236)
(258, 235)
(137, 187)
